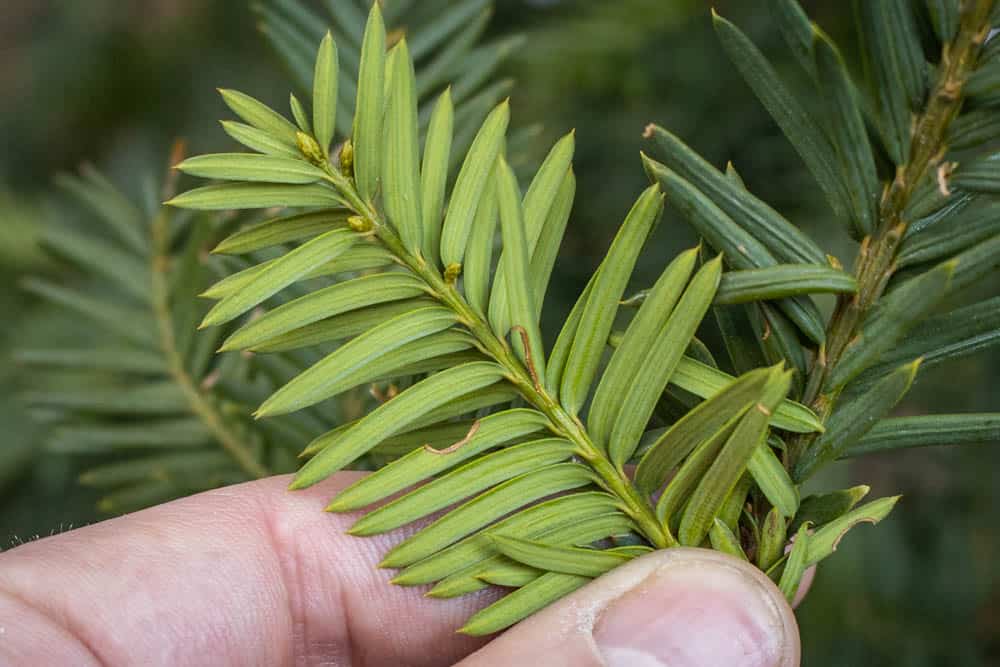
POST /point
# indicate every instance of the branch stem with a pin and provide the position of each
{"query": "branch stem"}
(562, 423)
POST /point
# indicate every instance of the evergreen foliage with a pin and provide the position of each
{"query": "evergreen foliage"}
(405, 257)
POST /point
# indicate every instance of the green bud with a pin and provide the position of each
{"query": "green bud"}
(452, 272)
(310, 149)
(359, 224)
(347, 159)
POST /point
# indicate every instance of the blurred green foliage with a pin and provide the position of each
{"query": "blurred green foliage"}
(115, 83)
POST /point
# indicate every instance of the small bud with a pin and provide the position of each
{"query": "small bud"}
(359, 224)
(394, 37)
(347, 159)
(452, 272)
(310, 149)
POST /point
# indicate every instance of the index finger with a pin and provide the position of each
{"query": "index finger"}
(250, 574)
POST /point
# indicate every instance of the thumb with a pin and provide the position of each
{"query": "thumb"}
(678, 607)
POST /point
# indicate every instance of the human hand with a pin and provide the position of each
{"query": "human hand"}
(254, 575)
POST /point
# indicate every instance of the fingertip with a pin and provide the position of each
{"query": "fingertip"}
(699, 608)
(681, 607)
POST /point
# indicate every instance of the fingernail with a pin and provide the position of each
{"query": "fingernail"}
(701, 611)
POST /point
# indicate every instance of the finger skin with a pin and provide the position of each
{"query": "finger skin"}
(673, 607)
(246, 575)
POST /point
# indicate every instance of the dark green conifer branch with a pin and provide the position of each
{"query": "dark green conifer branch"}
(201, 404)
(875, 263)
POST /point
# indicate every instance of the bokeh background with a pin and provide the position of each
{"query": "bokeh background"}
(114, 83)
